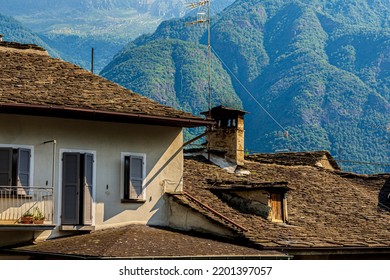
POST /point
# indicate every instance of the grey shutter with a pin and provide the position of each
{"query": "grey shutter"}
(87, 189)
(5, 167)
(136, 177)
(23, 171)
(71, 188)
(22, 174)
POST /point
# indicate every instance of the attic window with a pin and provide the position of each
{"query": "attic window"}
(277, 207)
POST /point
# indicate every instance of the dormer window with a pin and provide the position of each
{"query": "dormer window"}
(267, 200)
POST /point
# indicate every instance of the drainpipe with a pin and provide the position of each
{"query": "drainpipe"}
(53, 171)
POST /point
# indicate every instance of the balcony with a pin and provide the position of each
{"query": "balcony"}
(16, 203)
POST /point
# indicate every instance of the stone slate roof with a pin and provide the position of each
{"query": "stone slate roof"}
(32, 82)
(295, 158)
(326, 209)
(139, 241)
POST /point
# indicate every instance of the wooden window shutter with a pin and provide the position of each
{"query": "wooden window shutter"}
(5, 167)
(70, 188)
(22, 174)
(136, 177)
(133, 177)
(277, 206)
(23, 171)
(87, 189)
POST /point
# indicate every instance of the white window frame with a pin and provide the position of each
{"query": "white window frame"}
(58, 220)
(29, 147)
(122, 174)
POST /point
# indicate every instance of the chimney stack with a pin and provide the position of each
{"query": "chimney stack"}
(227, 137)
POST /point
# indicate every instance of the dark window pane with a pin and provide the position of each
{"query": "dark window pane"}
(5, 166)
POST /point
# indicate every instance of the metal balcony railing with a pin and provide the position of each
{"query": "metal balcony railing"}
(16, 202)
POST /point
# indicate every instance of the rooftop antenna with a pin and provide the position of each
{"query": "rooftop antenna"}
(92, 60)
(203, 17)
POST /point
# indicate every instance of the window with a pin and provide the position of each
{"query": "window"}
(226, 123)
(15, 167)
(133, 177)
(277, 207)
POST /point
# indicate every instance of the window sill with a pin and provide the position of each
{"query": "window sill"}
(133, 200)
(76, 228)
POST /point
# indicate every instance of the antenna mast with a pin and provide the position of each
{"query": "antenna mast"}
(203, 17)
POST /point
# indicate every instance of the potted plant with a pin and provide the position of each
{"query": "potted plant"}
(38, 217)
(27, 218)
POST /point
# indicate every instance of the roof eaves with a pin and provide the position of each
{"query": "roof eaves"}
(92, 114)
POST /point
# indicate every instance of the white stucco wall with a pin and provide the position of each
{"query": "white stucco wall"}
(107, 141)
(186, 219)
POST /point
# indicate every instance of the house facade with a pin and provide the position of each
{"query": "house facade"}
(81, 153)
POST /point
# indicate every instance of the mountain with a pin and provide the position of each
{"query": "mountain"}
(318, 71)
(13, 30)
(75, 26)
(169, 75)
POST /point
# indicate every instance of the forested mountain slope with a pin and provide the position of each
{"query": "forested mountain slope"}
(320, 68)
(12, 30)
(74, 27)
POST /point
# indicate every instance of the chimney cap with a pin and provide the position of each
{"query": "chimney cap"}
(222, 108)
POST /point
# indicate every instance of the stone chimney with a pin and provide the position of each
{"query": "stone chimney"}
(227, 136)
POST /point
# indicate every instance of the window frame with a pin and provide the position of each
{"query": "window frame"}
(275, 202)
(122, 178)
(31, 163)
(57, 217)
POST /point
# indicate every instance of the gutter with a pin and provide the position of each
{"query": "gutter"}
(92, 114)
(43, 255)
(341, 250)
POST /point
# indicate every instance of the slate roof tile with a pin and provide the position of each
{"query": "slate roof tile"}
(325, 208)
(36, 79)
(139, 241)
